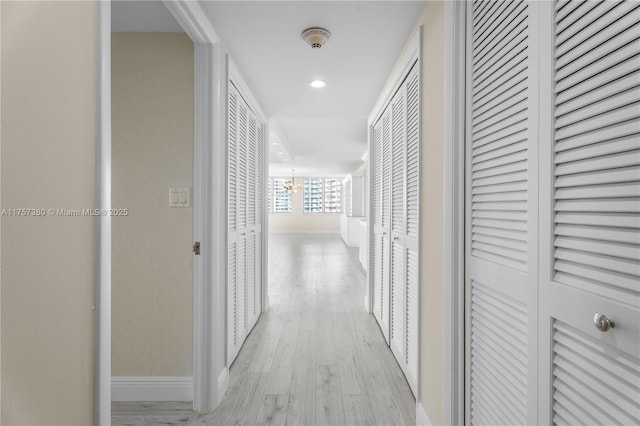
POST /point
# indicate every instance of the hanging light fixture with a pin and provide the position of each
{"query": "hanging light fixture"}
(292, 187)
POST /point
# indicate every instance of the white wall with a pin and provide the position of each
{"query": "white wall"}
(49, 57)
(299, 222)
(152, 150)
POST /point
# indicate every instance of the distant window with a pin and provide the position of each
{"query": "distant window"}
(322, 195)
(281, 198)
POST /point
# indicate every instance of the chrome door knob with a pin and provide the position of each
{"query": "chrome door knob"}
(603, 323)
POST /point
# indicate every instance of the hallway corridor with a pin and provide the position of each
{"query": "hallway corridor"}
(316, 357)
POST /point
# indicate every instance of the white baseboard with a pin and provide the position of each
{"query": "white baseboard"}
(421, 416)
(223, 384)
(152, 388)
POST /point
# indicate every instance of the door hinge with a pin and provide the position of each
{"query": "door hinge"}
(196, 247)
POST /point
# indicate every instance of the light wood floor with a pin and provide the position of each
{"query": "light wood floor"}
(316, 357)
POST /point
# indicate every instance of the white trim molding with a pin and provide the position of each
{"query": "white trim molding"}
(421, 416)
(152, 388)
(102, 351)
(454, 169)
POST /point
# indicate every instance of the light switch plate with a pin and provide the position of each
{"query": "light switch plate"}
(179, 197)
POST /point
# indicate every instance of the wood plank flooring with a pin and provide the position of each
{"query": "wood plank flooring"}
(315, 358)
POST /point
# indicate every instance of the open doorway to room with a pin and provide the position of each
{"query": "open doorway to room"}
(152, 172)
(316, 355)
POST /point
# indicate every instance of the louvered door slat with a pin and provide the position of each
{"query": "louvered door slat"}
(565, 8)
(574, 99)
(581, 17)
(594, 33)
(498, 35)
(568, 89)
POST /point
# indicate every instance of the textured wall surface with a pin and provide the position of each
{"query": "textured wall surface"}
(152, 314)
(48, 161)
(297, 221)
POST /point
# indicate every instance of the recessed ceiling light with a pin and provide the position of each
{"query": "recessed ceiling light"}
(318, 83)
(274, 143)
(280, 152)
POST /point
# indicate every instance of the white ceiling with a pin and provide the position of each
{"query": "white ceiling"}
(142, 17)
(319, 131)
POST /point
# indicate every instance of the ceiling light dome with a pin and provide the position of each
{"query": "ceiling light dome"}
(316, 37)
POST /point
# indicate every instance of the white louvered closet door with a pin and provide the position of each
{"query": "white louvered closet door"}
(411, 282)
(245, 197)
(251, 219)
(259, 206)
(396, 175)
(382, 221)
(590, 216)
(232, 222)
(397, 290)
(379, 267)
(501, 269)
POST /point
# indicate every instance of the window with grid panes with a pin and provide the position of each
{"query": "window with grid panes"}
(332, 195)
(281, 198)
(313, 190)
(322, 195)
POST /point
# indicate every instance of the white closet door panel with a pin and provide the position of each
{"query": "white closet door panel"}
(398, 303)
(378, 270)
(232, 160)
(251, 280)
(593, 219)
(412, 337)
(385, 300)
(241, 291)
(259, 277)
(252, 152)
(498, 361)
(413, 153)
(501, 316)
(398, 163)
(260, 160)
(242, 153)
(386, 171)
(377, 174)
(232, 335)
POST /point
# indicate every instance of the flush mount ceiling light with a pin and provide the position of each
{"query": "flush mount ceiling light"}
(316, 37)
(318, 83)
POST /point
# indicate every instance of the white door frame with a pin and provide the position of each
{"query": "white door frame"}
(210, 374)
(454, 197)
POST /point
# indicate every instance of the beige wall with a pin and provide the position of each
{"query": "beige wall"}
(432, 205)
(152, 149)
(432, 208)
(297, 221)
(48, 161)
